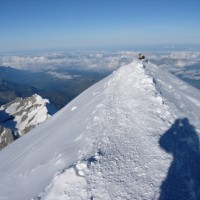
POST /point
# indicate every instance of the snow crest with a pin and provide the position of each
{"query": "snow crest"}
(108, 142)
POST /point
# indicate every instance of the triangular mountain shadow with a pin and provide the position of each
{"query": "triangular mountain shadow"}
(183, 178)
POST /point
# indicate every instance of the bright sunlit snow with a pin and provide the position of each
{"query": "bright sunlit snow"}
(133, 135)
(22, 114)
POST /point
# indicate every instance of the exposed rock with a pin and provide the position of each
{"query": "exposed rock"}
(22, 115)
(6, 137)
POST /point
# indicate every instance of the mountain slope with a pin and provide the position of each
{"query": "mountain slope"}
(6, 137)
(22, 115)
(111, 142)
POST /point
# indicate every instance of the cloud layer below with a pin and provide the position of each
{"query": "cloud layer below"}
(82, 60)
(177, 62)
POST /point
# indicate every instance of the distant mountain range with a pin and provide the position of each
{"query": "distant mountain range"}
(9, 91)
(60, 86)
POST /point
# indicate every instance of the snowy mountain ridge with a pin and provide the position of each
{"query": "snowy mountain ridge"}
(133, 135)
(22, 115)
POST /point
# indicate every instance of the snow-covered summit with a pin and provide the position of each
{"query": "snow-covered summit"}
(133, 135)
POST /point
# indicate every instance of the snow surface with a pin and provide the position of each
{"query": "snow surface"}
(126, 137)
(27, 112)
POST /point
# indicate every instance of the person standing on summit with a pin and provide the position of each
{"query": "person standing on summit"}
(141, 56)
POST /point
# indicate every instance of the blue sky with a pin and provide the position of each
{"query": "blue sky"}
(63, 24)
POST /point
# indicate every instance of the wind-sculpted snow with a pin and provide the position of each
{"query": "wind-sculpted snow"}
(112, 142)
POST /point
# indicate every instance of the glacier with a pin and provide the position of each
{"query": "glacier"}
(133, 135)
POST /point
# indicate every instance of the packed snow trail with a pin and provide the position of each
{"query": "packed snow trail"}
(132, 116)
(106, 143)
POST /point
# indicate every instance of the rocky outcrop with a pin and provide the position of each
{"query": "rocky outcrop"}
(22, 115)
(6, 137)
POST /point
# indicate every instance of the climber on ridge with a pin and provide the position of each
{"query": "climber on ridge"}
(141, 56)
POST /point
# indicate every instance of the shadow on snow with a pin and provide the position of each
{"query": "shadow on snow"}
(183, 178)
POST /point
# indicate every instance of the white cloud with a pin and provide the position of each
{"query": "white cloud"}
(189, 74)
(23, 61)
(99, 60)
(185, 64)
(62, 76)
(84, 60)
(183, 55)
(176, 59)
